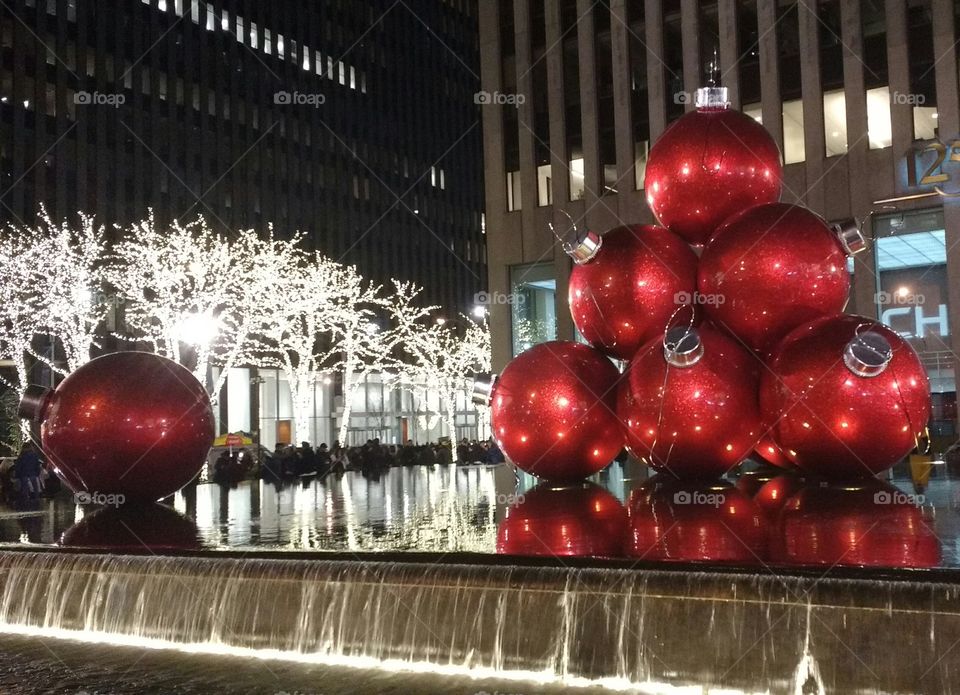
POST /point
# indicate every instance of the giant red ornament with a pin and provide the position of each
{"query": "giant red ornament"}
(844, 397)
(867, 523)
(772, 268)
(694, 521)
(708, 165)
(627, 284)
(690, 408)
(129, 423)
(553, 411)
(576, 520)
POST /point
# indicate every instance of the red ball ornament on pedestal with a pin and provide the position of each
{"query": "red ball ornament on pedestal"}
(710, 164)
(688, 403)
(553, 411)
(626, 285)
(868, 524)
(129, 423)
(774, 267)
(694, 521)
(581, 520)
(845, 397)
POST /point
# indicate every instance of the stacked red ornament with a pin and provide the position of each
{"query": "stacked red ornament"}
(709, 165)
(553, 411)
(688, 403)
(772, 268)
(131, 425)
(845, 397)
(626, 285)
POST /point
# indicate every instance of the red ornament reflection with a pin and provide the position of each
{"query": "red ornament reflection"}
(770, 452)
(751, 481)
(707, 166)
(868, 523)
(140, 528)
(581, 520)
(845, 397)
(772, 268)
(553, 411)
(626, 293)
(702, 521)
(129, 423)
(698, 420)
(776, 492)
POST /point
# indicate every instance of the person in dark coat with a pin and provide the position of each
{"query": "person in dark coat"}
(27, 469)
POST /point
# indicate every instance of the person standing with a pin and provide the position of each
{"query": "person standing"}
(27, 470)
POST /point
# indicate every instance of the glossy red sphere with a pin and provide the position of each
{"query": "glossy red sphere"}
(625, 295)
(869, 523)
(581, 520)
(707, 166)
(553, 411)
(129, 423)
(694, 421)
(770, 269)
(705, 521)
(832, 422)
(134, 528)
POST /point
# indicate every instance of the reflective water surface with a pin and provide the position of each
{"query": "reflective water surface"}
(763, 517)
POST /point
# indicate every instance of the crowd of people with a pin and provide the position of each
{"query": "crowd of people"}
(288, 461)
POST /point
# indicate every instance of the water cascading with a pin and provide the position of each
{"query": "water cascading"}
(618, 627)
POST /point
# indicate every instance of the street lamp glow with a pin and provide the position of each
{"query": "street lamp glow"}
(479, 311)
(198, 329)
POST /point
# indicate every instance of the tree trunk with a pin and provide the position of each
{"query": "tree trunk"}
(348, 391)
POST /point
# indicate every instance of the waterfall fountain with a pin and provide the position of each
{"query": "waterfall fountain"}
(616, 626)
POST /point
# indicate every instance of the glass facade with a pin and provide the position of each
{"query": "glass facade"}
(912, 298)
(533, 305)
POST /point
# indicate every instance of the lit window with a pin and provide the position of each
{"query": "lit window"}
(513, 191)
(878, 118)
(755, 111)
(211, 18)
(254, 36)
(225, 21)
(835, 122)
(793, 145)
(353, 78)
(280, 45)
(924, 122)
(544, 185)
(577, 181)
(195, 11)
(318, 63)
(343, 73)
(267, 42)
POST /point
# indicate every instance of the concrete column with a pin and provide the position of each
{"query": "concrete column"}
(690, 39)
(622, 99)
(586, 43)
(729, 50)
(812, 92)
(653, 30)
(771, 104)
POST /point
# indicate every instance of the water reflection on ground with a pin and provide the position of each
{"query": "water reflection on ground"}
(762, 517)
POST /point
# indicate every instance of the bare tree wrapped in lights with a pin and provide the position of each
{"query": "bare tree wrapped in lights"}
(68, 284)
(185, 284)
(305, 314)
(441, 357)
(19, 310)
